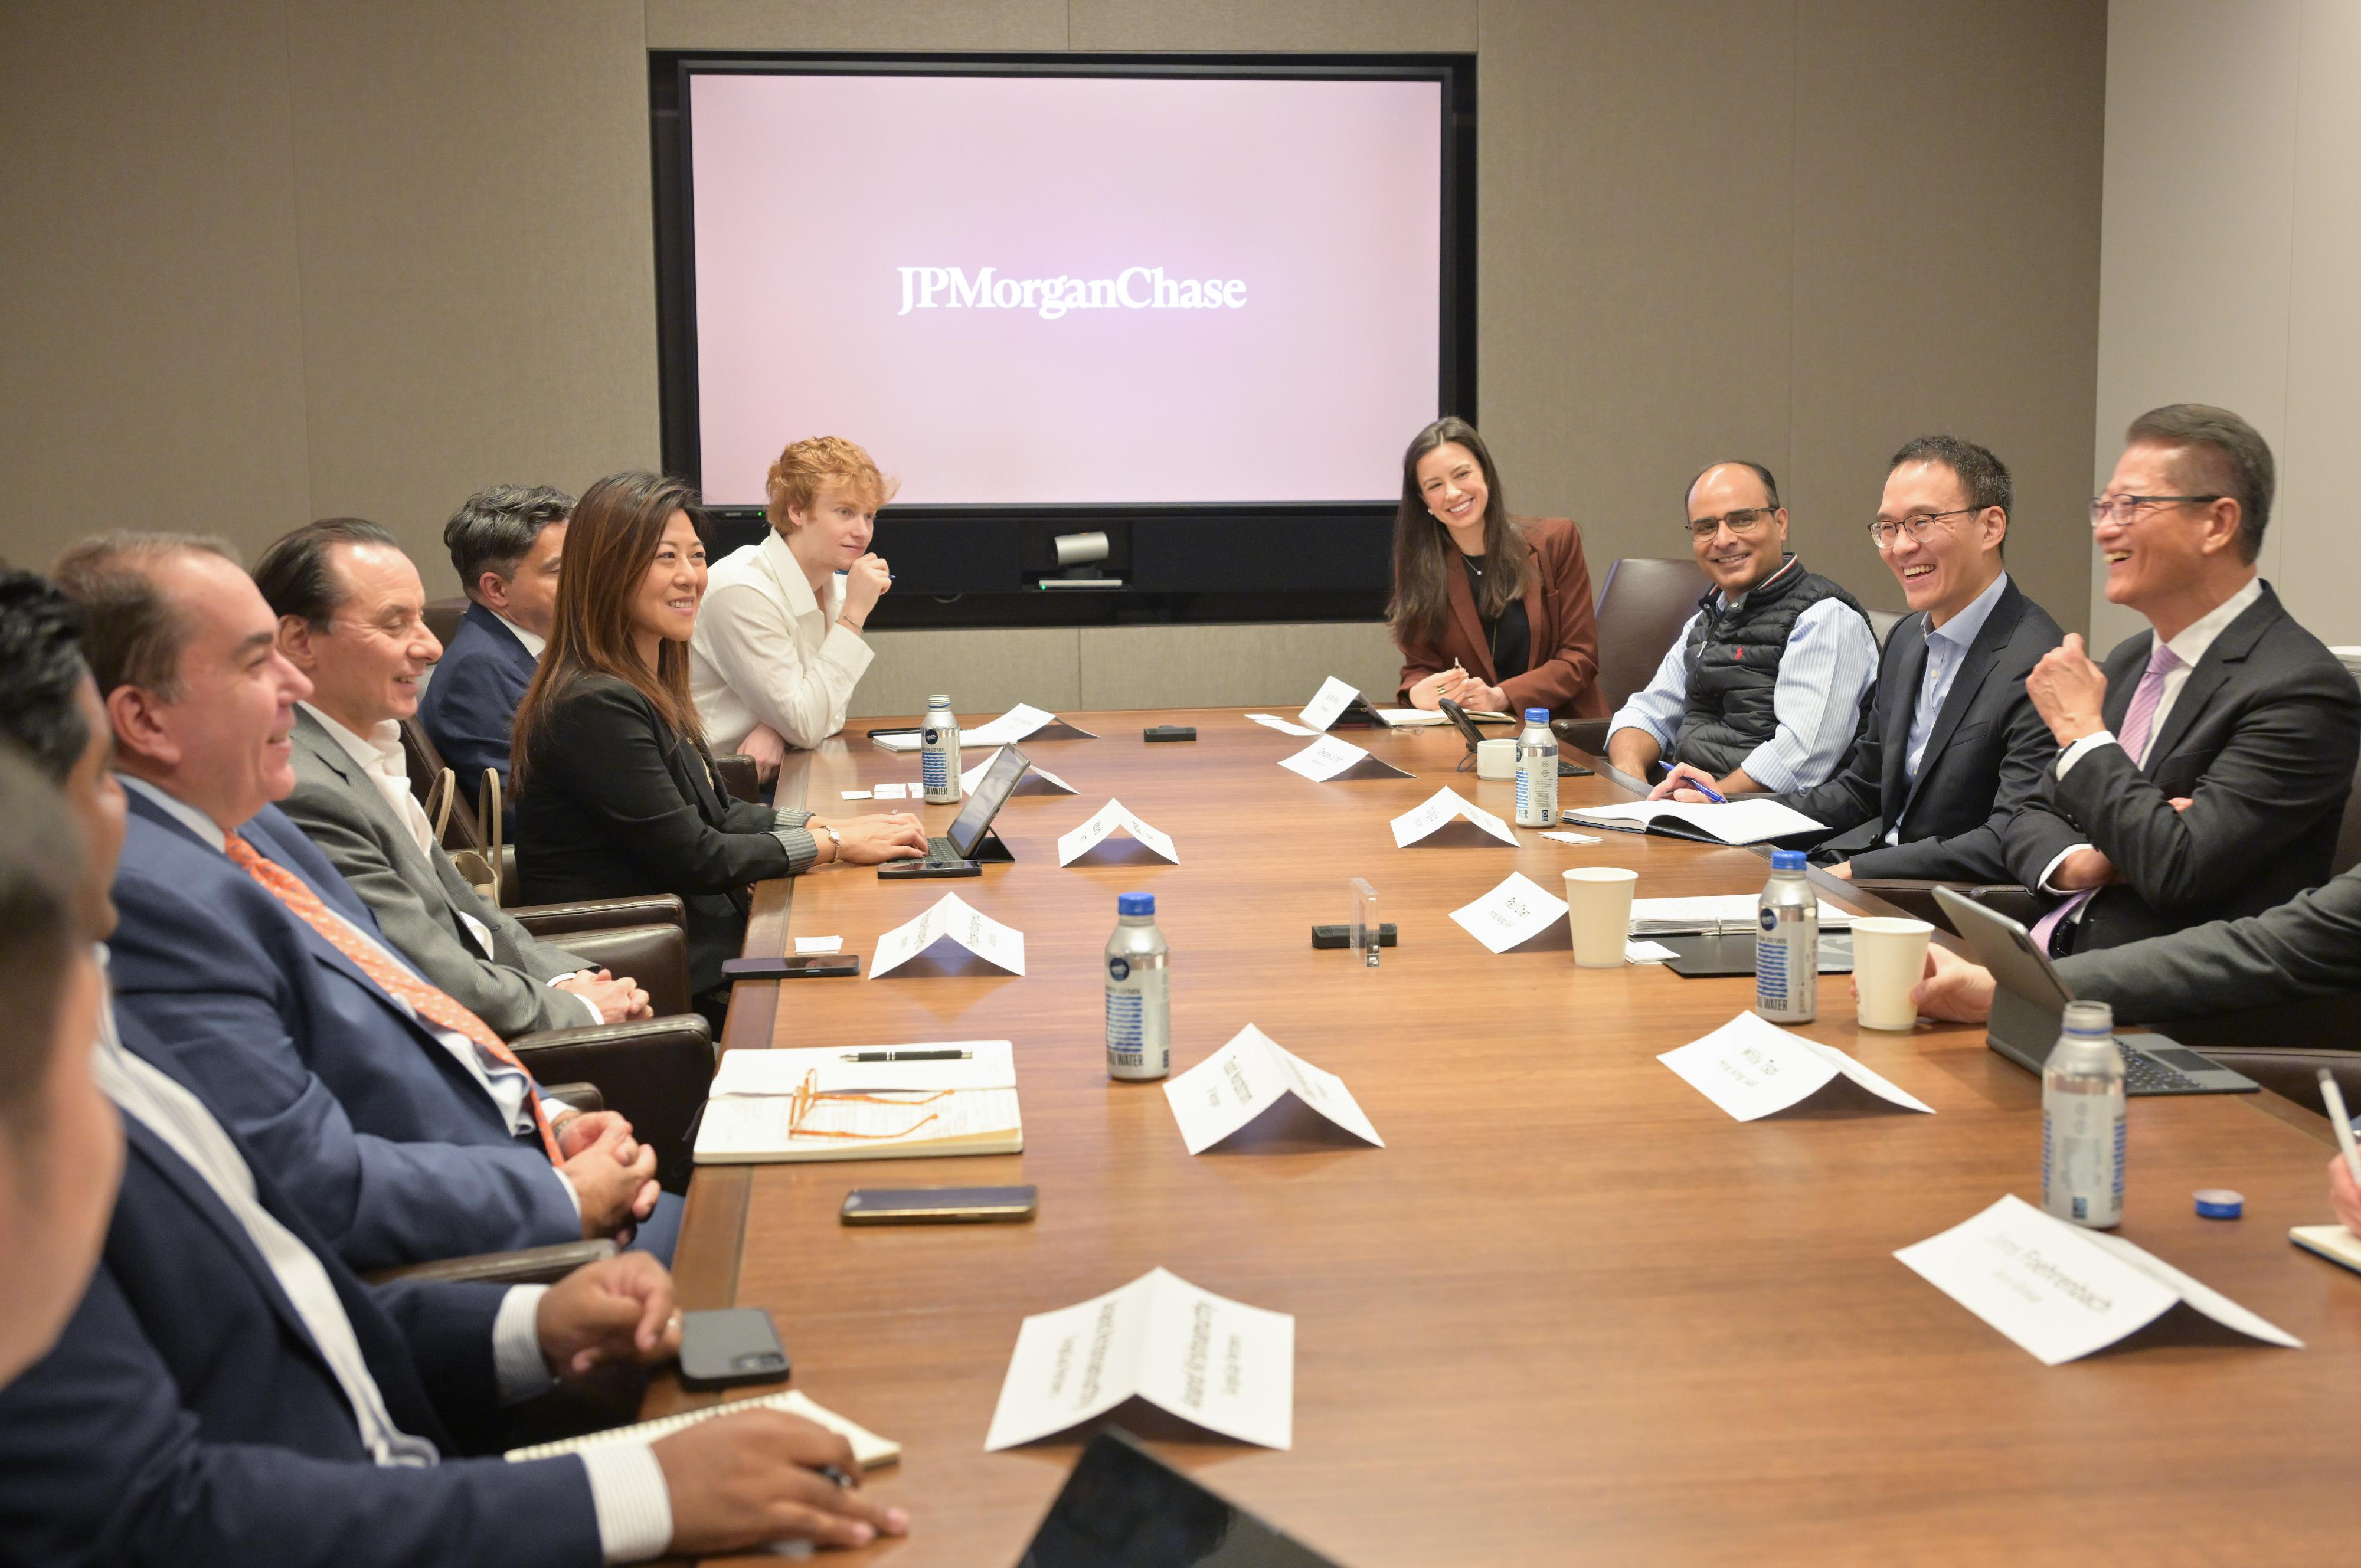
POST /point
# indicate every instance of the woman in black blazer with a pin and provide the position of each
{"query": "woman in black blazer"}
(617, 793)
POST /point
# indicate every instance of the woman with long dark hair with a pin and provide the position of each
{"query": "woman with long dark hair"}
(617, 792)
(1491, 611)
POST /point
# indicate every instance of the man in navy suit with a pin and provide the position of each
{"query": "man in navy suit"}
(507, 544)
(400, 1122)
(226, 1392)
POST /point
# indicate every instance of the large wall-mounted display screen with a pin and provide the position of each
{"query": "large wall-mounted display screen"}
(1038, 290)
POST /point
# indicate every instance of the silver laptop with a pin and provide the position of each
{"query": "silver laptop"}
(2030, 1009)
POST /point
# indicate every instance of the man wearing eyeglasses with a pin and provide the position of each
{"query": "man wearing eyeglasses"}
(1762, 689)
(2204, 769)
(1954, 749)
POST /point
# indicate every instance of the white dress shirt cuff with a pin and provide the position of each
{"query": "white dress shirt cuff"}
(517, 1361)
(2083, 748)
(589, 1006)
(2044, 883)
(1768, 766)
(628, 1494)
(567, 1182)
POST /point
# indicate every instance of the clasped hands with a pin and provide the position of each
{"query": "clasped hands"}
(1460, 687)
(734, 1482)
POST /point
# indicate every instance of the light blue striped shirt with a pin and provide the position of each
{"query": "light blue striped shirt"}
(1830, 660)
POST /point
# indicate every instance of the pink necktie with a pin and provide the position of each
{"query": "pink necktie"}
(2139, 719)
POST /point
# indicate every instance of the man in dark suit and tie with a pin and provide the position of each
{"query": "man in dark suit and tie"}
(226, 1392)
(352, 618)
(2204, 771)
(507, 543)
(398, 1117)
(1952, 749)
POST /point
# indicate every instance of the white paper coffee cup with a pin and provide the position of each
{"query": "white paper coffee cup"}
(1496, 758)
(1888, 957)
(1599, 908)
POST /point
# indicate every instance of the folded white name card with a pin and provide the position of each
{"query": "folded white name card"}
(954, 917)
(1017, 724)
(1333, 698)
(1247, 1078)
(1284, 726)
(1329, 758)
(1440, 807)
(2061, 1291)
(1517, 911)
(1073, 845)
(1751, 1066)
(968, 779)
(1227, 1367)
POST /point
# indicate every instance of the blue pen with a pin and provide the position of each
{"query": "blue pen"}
(1707, 790)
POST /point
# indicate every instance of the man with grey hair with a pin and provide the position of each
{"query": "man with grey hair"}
(507, 543)
(2204, 769)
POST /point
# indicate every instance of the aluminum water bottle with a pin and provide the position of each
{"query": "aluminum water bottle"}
(938, 752)
(1787, 943)
(2083, 1120)
(1536, 772)
(1138, 997)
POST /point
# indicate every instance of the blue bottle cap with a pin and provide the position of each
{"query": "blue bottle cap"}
(1537, 716)
(2220, 1203)
(1787, 859)
(1135, 904)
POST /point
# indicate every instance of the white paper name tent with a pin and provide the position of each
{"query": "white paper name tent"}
(1082, 840)
(951, 916)
(1517, 911)
(1737, 822)
(1336, 700)
(809, 1103)
(1224, 1365)
(1751, 1066)
(1284, 726)
(1328, 760)
(2061, 1291)
(1245, 1078)
(1444, 805)
(1050, 783)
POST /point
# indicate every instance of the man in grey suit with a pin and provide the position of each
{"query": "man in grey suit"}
(2206, 766)
(351, 610)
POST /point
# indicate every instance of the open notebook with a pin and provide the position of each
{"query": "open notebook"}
(1737, 822)
(2334, 1243)
(871, 1450)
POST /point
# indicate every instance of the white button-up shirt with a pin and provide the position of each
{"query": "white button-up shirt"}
(766, 651)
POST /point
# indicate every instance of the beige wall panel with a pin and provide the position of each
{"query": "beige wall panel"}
(856, 24)
(1222, 666)
(987, 671)
(1948, 160)
(2308, 547)
(2198, 214)
(1343, 26)
(479, 276)
(1634, 241)
(153, 371)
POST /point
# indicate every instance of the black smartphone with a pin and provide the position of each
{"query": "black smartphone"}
(919, 870)
(723, 1349)
(821, 966)
(939, 1205)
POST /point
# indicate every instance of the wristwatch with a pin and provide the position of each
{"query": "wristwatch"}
(836, 843)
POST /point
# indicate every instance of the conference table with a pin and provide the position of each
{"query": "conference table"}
(1571, 1311)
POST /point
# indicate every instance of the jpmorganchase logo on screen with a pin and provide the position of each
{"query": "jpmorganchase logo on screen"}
(1133, 289)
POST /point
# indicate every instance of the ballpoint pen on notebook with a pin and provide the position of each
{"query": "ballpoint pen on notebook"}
(906, 1056)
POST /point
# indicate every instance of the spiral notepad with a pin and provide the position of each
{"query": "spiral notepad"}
(868, 1448)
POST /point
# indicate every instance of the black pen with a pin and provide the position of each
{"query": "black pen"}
(906, 1056)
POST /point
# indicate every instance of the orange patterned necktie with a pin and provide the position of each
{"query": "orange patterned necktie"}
(437, 1007)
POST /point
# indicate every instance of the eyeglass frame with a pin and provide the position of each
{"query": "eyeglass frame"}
(2106, 509)
(1924, 522)
(1706, 527)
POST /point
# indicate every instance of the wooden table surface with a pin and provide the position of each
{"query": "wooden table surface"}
(1571, 1311)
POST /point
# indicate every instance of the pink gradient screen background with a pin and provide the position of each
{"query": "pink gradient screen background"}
(1324, 197)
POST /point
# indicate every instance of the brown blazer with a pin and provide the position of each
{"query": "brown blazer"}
(1564, 672)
